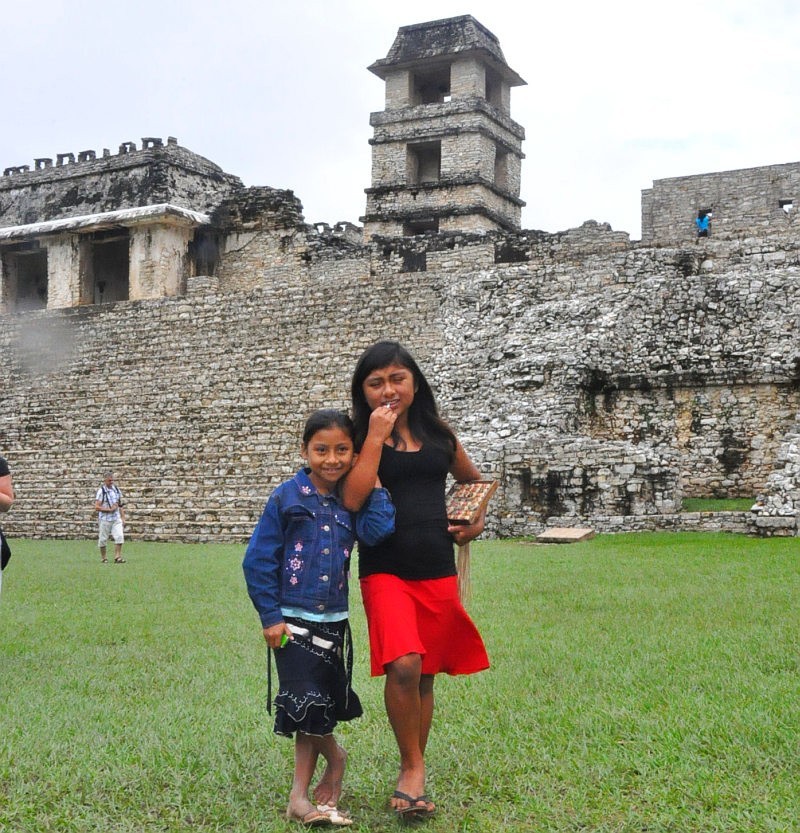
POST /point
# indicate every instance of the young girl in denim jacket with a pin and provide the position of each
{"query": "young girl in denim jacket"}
(296, 567)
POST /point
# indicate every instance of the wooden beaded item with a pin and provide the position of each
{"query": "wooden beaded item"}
(466, 501)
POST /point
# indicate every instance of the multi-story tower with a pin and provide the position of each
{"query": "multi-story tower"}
(446, 155)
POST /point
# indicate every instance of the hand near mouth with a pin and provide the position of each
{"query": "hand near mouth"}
(381, 422)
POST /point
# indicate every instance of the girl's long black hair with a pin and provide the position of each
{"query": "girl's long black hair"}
(423, 416)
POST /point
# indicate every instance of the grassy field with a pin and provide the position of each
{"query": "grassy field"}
(711, 504)
(639, 683)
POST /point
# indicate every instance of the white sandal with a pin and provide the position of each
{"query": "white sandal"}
(338, 817)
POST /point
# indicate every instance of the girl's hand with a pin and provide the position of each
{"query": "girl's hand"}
(274, 634)
(381, 423)
(464, 533)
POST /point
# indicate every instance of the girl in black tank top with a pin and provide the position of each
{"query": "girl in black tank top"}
(421, 546)
(417, 625)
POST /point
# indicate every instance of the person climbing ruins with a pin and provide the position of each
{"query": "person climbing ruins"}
(703, 223)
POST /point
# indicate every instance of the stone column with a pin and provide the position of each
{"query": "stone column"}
(777, 510)
(468, 79)
(63, 271)
(5, 305)
(398, 89)
(158, 260)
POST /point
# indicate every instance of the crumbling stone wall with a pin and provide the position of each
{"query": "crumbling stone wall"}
(777, 510)
(598, 380)
(196, 403)
(751, 202)
(85, 183)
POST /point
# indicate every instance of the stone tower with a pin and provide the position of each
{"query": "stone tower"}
(446, 155)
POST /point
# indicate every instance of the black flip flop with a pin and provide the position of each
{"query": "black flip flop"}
(417, 807)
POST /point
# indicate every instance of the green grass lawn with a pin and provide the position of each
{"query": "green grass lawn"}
(638, 683)
(712, 504)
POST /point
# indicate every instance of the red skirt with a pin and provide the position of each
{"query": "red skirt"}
(423, 617)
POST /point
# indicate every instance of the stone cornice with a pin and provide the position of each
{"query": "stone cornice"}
(164, 212)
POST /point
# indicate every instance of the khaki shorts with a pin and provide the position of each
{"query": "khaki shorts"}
(113, 529)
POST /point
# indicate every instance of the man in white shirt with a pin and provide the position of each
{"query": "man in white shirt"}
(108, 503)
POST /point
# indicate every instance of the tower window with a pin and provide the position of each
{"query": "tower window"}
(431, 86)
(424, 226)
(494, 89)
(25, 267)
(786, 205)
(501, 168)
(414, 262)
(424, 163)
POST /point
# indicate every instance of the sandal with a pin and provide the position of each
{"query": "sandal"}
(417, 807)
(120, 560)
(104, 561)
(338, 818)
(313, 818)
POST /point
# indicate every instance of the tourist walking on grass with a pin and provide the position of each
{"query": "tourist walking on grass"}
(111, 518)
(296, 567)
(6, 502)
(417, 624)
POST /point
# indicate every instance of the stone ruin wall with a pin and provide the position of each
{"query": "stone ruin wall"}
(85, 183)
(599, 380)
(744, 203)
(781, 498)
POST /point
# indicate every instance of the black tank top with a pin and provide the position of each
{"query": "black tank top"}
(420, 547)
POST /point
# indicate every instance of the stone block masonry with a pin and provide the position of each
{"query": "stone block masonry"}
(157, 173)
(777, 510)
(159, 319)
(752, 202)
(600, 381)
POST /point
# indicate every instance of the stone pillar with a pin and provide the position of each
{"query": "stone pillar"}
(5, 305)
(158, 260)
(398, 89)
(468, 79)
(504, 96)
(85, 272)
(63, 271)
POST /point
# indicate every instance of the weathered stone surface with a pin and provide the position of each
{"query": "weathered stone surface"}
(777, 510)
(446, 154)
(163, 173)
(565, 535)
(600, 380)
(751, 202)
(584, 379)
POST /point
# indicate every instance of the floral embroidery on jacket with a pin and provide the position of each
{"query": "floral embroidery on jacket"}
(295, 564)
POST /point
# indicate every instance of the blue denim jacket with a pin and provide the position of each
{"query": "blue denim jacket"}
(299, 553)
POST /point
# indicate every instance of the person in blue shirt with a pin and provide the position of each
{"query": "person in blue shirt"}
(703, 223)
(297, 567)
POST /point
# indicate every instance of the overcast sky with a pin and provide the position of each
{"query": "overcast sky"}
(618, 93)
